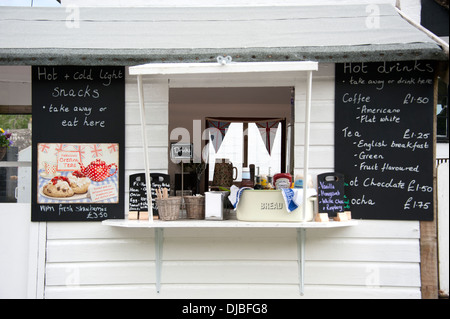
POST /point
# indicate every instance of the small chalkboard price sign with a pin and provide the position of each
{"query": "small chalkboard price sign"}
(384, 114)
(78, 143)
(331, 193)
(138, 191)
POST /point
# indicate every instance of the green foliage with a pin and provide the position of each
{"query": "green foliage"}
(14, 122)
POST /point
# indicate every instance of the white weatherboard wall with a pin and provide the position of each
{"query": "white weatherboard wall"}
(376, 259)
(411, 7)
(443, 231)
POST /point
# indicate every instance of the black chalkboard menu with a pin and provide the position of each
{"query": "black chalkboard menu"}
(331, 196)
(138, 191)
(78, 143)
(384, 138)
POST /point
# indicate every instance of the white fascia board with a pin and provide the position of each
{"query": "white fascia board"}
(212, 68)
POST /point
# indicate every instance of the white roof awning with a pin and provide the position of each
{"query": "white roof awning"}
(130, 36)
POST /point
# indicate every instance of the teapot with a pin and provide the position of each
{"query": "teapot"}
(98, 170)
(223, 174)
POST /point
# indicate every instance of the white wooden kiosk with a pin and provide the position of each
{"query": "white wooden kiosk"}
(224, 66)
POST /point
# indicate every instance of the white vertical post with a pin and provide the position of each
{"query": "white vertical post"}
(301, 238)
(144, 139)
(306, 143)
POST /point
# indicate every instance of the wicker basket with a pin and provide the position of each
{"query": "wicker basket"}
(169, 209)
(195, 207)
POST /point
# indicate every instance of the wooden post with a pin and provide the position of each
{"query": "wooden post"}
(428, 230)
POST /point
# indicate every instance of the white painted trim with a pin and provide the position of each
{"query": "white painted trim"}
(212, 68)
(15, 164)
(430, 34)
(186, 223)
(306, 143)
(144, 139)
(443, 231)
(36, 263)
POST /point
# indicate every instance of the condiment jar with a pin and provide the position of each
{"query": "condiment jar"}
(282, 180)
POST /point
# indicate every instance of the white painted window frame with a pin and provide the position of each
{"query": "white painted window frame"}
(174, 69)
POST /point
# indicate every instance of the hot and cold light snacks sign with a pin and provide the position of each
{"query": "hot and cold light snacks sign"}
(78, 143)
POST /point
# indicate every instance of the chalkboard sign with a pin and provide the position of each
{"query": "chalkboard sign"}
(138, 190)
(138, 193)
(384, 138)
(78, 143)
(331, 193)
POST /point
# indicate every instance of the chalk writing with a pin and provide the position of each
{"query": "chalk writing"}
(383, 134)
(78, 92)
(331, 197)
(138, 190)
(79, 105)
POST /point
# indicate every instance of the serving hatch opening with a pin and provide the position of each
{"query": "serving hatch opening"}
(210, 73)
(221, 124)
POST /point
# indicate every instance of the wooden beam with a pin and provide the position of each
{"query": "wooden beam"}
(15, 109)
(428, 231)
(428, 260)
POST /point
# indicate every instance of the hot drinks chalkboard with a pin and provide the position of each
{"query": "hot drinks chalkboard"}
(384, 138)
(78, 143)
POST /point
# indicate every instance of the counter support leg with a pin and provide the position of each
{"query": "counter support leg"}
(159, 239)
(301, 240)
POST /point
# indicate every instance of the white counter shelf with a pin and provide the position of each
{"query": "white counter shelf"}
(192, 223)
(159, 226)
